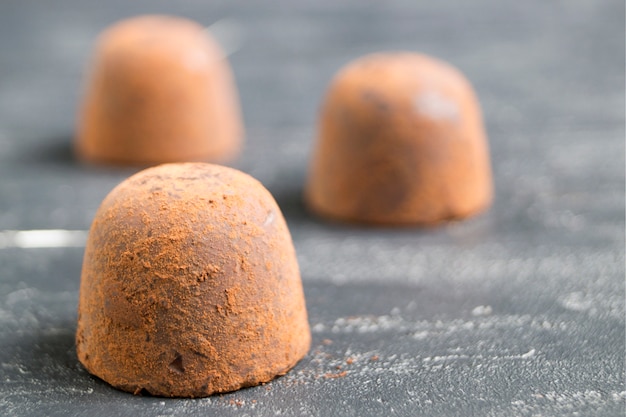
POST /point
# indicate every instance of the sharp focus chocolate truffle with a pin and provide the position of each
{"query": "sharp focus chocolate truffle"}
(160, 90)
(190, 285)
(401, 142)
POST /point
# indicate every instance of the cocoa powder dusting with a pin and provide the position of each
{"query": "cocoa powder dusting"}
(181, 294)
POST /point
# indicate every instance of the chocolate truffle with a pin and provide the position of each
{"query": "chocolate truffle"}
(401, 142)
(190, 285)
(160, 90)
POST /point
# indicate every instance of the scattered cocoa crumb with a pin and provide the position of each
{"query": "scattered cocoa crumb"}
(374, 358)
(349, 361)
(338, 367)
(332, 376)
(327, 342)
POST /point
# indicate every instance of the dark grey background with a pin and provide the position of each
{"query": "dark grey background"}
(517, 312)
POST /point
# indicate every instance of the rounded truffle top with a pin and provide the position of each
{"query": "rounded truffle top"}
(157, 40)
(196, 195)
(192, 212)
(430, 90)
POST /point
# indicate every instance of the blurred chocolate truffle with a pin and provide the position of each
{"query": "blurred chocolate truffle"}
(160, 90)
(401, 141)
(190, 285)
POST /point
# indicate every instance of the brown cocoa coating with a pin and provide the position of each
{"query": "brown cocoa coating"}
(190, 285)
(400, 142)
(160, 90)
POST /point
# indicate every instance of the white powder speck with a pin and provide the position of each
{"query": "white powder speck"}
(419, 335)
(576, 301)
(318, 328)
(482, 311)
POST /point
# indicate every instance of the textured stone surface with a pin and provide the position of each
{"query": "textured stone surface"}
(519, 311)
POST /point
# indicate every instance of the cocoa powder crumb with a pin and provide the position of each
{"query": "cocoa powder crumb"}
(238, 403)
(333, 376)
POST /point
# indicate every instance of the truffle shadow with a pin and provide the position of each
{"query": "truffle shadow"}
(57, 150)
(290, 199)
(291, 203)
(47, 361)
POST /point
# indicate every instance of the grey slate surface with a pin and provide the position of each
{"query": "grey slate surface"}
(519, 312)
